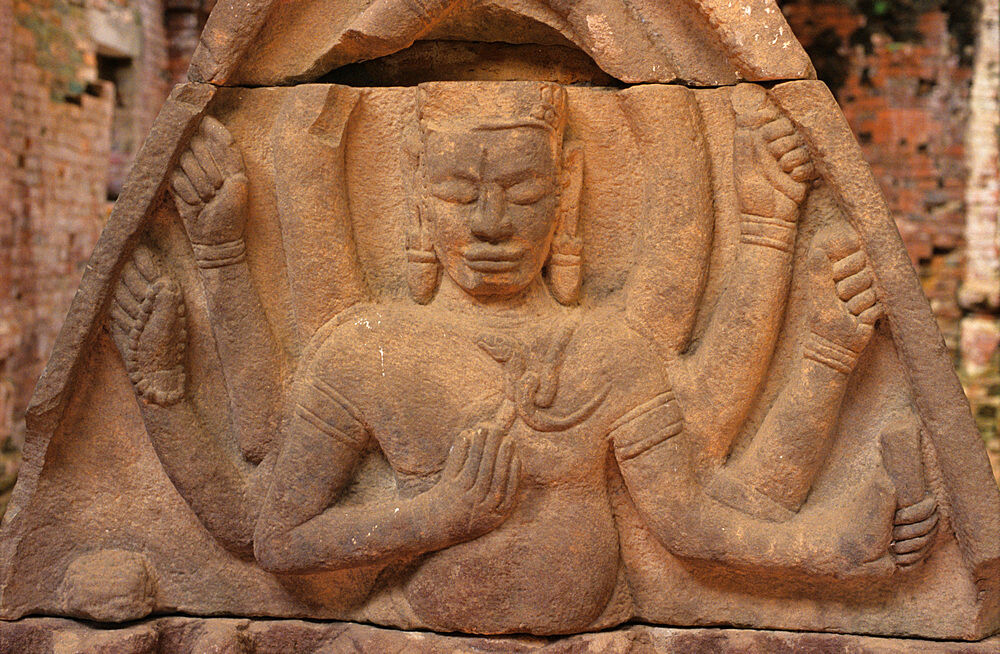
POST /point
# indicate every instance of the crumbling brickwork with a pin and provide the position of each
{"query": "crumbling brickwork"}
(80, 84)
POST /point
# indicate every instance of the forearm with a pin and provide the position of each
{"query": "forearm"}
(204, 474)
(787, 452)
(348, 537)
(690, 524)
(718, 382)
(248, 353)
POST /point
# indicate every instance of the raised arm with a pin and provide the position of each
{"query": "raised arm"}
(718, 380)
(747, 512)
(775, 473)
(148, 325)
(656, 458)
(210, 190)
(789, 448)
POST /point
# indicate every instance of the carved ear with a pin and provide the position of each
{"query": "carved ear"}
(422, 266)
(565, 262)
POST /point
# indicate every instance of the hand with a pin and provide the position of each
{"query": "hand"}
(479, 482)
(147, 324)
(913, 532)
(210, 186)
(845, 304)
(772, 162)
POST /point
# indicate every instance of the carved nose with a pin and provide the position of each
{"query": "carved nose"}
(489, 222)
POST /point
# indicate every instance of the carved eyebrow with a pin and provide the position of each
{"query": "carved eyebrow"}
(517, 176)
(464, 174)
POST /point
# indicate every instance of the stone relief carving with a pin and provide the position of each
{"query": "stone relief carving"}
(505, 357)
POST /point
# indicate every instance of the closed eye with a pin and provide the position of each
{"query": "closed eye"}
(457, 191)
(529, 191)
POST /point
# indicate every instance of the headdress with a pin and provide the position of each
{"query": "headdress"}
(465, 106)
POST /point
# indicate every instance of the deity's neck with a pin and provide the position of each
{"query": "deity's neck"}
(533, 303)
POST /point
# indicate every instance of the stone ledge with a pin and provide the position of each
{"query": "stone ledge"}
(186, 635)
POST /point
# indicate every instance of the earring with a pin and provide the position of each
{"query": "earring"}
(422, 266)
(566, 268)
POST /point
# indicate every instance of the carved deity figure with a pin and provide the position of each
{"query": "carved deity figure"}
(507, 409)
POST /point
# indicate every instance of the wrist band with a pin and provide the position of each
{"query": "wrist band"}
(220, 254)
(768, 232)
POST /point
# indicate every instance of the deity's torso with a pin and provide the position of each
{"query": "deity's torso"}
(419, 376)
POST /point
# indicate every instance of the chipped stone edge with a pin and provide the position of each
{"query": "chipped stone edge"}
(139, 197)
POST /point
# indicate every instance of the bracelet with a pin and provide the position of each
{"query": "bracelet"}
(219, 255)
(822, 350)
(768, 232)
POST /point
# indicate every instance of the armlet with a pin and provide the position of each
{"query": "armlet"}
(646, 426)
(329, 412)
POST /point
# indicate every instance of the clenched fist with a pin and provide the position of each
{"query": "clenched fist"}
(773, 165)
(846, 305)
(210, 186)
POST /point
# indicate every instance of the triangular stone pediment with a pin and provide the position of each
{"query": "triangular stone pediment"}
(720, 392)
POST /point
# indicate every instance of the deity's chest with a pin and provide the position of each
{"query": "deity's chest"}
(453, 380)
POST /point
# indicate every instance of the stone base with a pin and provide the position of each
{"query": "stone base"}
(243, 636)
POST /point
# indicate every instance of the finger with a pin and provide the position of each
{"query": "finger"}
(862, 301)
(487, 465)
(120, 320)
(871, 315)
(779, 178)
(135, 282)
(783, 145)
(848, 265)
(207, 162)
(841, 241)
(756, 117)
(222, 146)
(906, 532)
(914, 513)
(851, 286)
(197, 176)
(793, 159)
(910, 558)
(513, 481)
(501, 472)
(776, 129)
(913, 544)
(456, 456)
(146, 264)
(126, 301)
(505, 416)
(803, 173)
(216, 132)
(475, 456)
(184, 189)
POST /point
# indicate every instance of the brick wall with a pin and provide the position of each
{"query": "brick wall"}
(8, 324)
(907, 103)
(67, 138)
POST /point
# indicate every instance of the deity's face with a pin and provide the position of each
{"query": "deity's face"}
(491, 203)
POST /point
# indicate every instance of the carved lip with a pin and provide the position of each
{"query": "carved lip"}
(485, 257)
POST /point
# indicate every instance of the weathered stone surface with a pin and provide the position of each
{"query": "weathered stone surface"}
(199, 635)
(503, 357)
(701, 42)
